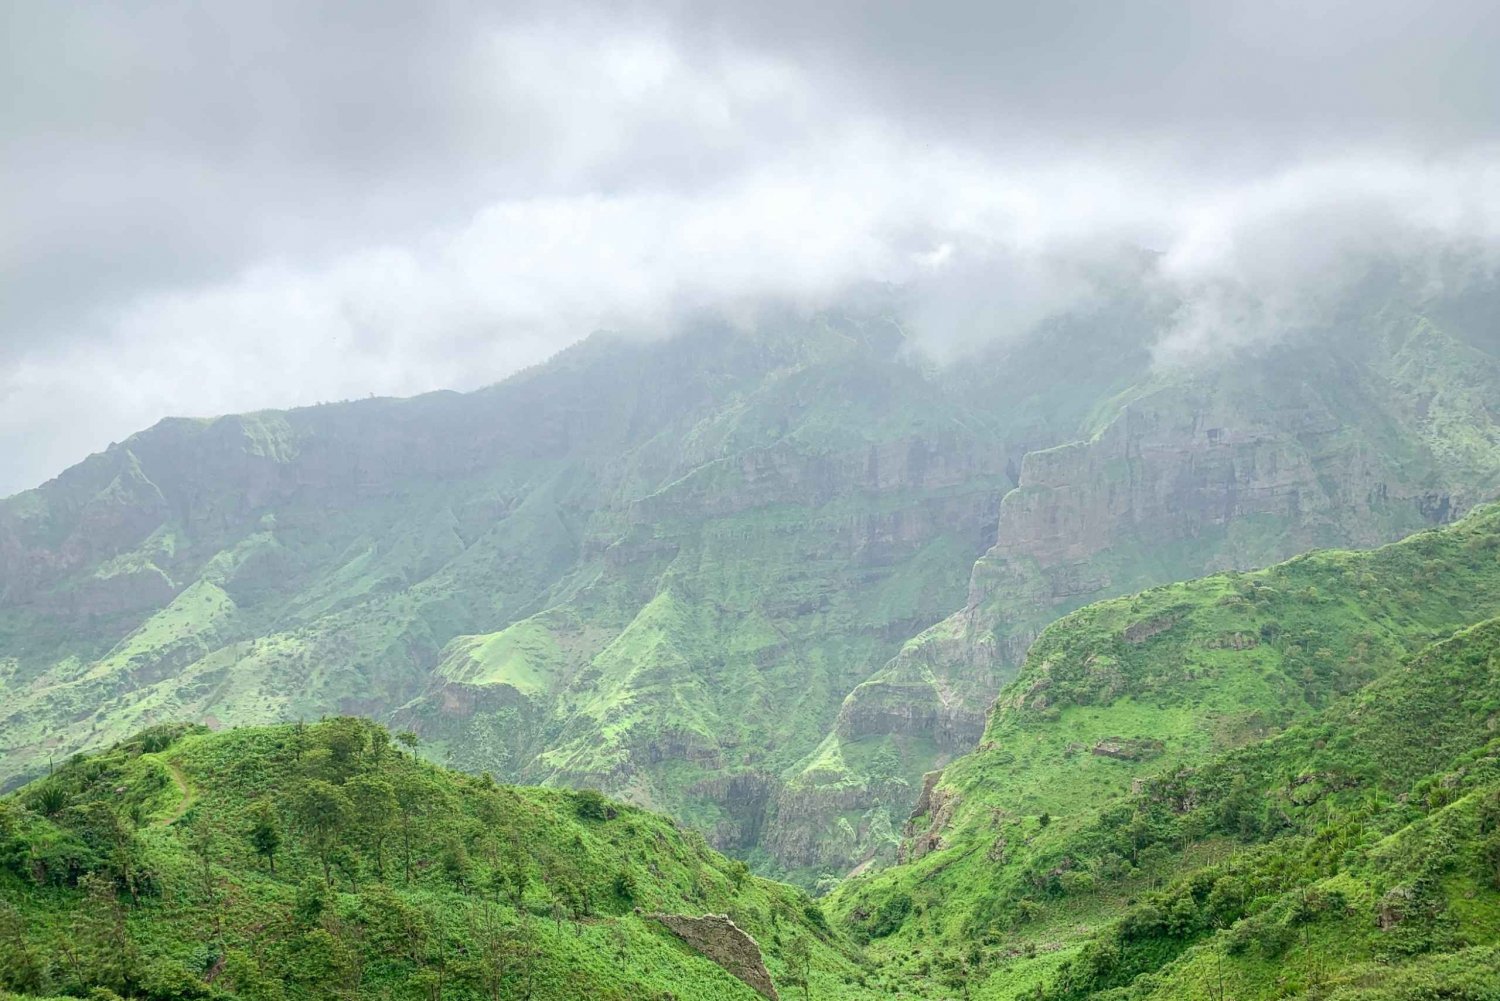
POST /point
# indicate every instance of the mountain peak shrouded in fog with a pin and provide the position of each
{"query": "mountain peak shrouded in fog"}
(215, 210)
(736, 501)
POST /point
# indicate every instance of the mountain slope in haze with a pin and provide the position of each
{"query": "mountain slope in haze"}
(357, 557)
(308, 862)
(1280, 783)
(690, 572)
(1380, 427)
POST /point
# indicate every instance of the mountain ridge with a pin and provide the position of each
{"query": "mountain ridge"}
(715, 575)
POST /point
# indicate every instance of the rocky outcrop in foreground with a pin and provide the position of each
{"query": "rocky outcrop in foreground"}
(724, 942)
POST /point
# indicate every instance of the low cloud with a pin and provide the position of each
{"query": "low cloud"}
(984, 254)
(1277, 258)
(268, 207)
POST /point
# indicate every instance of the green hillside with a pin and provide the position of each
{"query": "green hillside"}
(1186, 473)
(321, 861)
(1277, 783)
(760, 578)
(1283, 783)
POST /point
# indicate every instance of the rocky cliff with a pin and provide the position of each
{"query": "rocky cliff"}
(715, 575)
(722, 941)
(1304, 445)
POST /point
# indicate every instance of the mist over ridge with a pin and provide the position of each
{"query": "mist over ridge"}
(262, 215)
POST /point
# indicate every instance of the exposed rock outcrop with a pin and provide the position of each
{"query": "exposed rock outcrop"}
(1128, 748)
(725, 943)
(1221, 469)
(936, 806)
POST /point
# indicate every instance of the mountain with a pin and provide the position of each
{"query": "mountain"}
(1379, 429)
(716, 575)
(315, 861)
(1284, 783)
(1268, 784)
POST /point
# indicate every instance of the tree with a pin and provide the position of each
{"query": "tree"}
(455, 861)
(249, 981)
(798, 958)
(100, 949)
(310, 903)
(265, 834)
(515, 873)
(1490, 851)
(591, 805)
(322, 810)
(491, 947)
(345, 739)
(380, 743)
(625, 886)
(375, 812)
(201, 840)
(21, 964)
(414, 794)
(105, 828)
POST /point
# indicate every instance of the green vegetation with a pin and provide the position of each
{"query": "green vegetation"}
(761, 580)
(1283, 783)
(717, 579)
(324, 860)
(1270, 784)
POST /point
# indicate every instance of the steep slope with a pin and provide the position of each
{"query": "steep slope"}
(655, 567)
(306, 862)
(1366, 435)
(1247, 785)
(687, 572)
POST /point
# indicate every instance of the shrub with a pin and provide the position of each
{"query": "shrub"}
(592, 805)
(889, 916)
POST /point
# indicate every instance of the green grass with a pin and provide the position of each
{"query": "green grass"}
(114, 876)
(1322, 724)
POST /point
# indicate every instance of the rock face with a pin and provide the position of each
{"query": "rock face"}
(724, 942)
(1128, 748)
(923, 832)
(716, 576)
(1183, 475)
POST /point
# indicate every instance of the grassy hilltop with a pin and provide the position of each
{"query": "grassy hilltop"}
(321, 861)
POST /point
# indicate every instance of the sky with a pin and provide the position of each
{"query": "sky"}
(209, 208)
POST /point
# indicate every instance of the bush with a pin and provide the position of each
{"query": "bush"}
(814, 915)
(889, 916)
(592, 805)
(625, 885)
(1076, 881)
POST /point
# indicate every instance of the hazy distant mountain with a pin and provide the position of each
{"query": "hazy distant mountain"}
(760, 577)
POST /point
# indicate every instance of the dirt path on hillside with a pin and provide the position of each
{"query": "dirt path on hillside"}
(180, 780)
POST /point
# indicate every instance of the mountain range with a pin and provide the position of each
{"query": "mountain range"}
(761, 576)
(1068, 671)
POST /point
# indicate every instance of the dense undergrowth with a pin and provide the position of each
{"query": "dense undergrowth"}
(327, 861)
(1284, 783)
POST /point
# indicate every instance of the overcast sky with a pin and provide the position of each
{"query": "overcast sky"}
(213, 207)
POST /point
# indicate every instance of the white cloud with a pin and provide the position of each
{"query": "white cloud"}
(622, 176)
(1259, 262)
(989, 254)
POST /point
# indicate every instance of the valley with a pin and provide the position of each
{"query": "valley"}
(715, 576)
